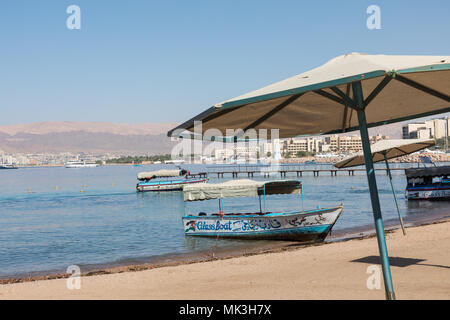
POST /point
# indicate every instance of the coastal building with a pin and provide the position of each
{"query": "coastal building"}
(267, 149)
(429, 129)
(332, 143)
(48, 159)
(223, 154)
(293, 146)
(237, 152)
(348, 143)
(276, 149)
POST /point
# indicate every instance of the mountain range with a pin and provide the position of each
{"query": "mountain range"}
(105, 137)
(87, 137)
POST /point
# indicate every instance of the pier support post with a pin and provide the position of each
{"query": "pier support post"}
(358, 99)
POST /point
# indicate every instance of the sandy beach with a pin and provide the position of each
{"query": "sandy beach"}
(420, 265)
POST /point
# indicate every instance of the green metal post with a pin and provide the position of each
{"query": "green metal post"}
(260, 209)
(358, 97)
(265, 198)
(393, 192)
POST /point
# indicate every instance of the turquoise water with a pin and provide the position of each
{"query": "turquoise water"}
(51, 218)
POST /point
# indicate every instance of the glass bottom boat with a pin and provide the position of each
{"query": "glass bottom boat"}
(297, 225)
(431, 183)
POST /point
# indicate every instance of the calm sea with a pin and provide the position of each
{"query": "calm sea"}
(51, 218)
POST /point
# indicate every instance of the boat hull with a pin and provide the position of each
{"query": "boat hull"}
(7, 167)
(308, 226)
(166, 185)
(85, 165)
(428, 193)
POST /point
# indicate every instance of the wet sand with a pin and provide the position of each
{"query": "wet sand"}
(420, 266)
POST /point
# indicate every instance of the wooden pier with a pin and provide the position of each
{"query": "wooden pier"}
(250, 171)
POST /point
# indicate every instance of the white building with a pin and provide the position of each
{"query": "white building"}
(429, 129)
(296, 145)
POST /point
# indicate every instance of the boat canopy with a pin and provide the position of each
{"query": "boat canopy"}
(240, 188)
(427, 172)
(161, 174)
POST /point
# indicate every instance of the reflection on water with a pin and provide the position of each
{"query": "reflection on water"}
(51, 218)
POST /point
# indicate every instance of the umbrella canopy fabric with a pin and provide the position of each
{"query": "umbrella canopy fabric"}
(387, 149)
(354, 91)
(239, 188)
(317, 101)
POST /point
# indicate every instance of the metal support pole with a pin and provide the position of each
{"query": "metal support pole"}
(358, 97)
(393, 192)
(260, 208)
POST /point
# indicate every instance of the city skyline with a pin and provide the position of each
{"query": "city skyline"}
(291, 147)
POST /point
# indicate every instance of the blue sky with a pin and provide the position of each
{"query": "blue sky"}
(166, 61)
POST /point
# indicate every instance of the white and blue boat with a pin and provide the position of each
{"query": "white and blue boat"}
(7, 166)
(298, 225)
(429, 183)
(166, 180)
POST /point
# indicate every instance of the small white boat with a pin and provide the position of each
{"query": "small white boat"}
(165, 180)
(298, 225)
(174, 161)
(7, 166)
(80, 164)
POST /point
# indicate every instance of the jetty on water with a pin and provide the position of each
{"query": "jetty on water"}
(267, 170)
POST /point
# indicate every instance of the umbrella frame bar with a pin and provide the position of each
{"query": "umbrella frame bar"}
(359, 104)
(378, 219)
(393, 192)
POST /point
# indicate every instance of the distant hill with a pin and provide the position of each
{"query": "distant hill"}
(394, 131)
(88, 137)
(106, 137)
(125, 129)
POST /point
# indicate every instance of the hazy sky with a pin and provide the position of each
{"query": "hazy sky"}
(166, 61)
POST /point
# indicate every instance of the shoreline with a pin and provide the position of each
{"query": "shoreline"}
(336, 270)
(180, 259)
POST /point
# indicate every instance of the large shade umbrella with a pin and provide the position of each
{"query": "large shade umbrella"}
(384, 150)
(350, 92)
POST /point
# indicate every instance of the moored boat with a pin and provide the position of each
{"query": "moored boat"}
(8, 166)
(297, 225)
(430, 183)
(80, 164)
(165, 180)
